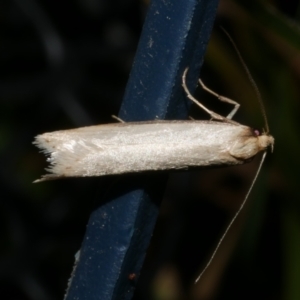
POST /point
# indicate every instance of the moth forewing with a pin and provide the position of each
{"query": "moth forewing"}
(146, 146)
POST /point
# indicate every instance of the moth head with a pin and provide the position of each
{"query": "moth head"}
(265, 140)
(250, 144)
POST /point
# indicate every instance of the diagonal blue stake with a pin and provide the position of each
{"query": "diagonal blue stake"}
(175, 36)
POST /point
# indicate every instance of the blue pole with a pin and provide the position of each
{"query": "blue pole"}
(174, 36)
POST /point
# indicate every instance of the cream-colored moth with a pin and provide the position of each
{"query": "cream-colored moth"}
(133, 147)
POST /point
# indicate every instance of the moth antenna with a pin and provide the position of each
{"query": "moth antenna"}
(118, 119)
(233, 219)
(253, 83)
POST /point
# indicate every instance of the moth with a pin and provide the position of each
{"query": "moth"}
(132, 147)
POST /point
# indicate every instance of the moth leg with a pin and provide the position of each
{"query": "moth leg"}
(213, 115)
(117, 118)
(189, 95)
(223, 99)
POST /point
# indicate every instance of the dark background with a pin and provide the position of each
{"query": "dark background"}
(65, 64)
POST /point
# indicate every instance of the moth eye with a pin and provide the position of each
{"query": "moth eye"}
(256, 132)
